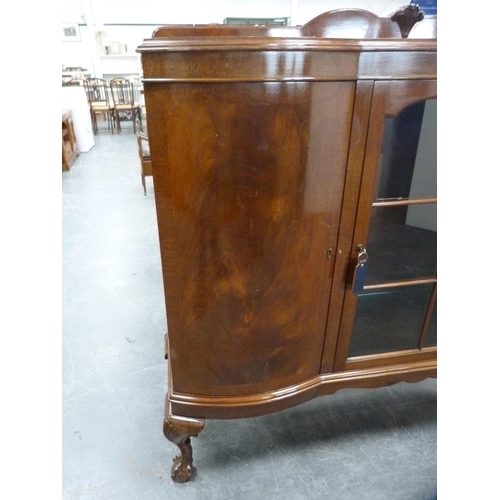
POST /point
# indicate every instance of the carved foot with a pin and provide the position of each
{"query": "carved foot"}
(182, 470)
(179, 431)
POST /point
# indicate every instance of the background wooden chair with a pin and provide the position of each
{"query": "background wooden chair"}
(122, 91)
(99, 102)
(146, 168)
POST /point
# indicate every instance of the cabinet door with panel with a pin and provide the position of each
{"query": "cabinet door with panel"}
(254, 207)
(389, 314)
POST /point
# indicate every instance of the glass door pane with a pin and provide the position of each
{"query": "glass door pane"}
(400, 248)
(390, 319)
(407, 168)
(396, 308)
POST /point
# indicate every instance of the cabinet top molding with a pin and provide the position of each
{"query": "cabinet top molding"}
(342, 29)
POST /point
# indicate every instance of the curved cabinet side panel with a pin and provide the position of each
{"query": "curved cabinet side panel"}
(248, 206)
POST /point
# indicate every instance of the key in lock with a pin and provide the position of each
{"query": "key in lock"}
(360, 271)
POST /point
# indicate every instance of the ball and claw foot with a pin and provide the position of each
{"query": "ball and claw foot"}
(181, 472)
(179, 431)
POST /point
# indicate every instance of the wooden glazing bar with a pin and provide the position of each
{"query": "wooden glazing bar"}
(397, 284)
(405, 202)
(389, 358)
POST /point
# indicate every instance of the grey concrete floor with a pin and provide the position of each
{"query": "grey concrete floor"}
(377, 444)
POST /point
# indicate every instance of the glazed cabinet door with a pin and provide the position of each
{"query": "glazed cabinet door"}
(248, 183)
(389, 313)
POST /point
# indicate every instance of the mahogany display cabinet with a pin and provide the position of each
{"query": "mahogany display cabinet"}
(295, 183)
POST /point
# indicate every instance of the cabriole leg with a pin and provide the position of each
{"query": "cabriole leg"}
(179, 431)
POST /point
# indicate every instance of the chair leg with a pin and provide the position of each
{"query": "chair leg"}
(93, 119)
(117, 122)
(139, 118)
(110, 120)
(143, 179)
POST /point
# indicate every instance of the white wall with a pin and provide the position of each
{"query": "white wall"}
(79, 53)
(203, 11)
(131, 21)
